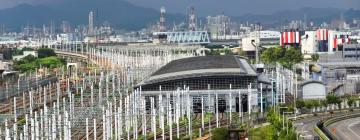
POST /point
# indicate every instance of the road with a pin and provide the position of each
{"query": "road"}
(348, 129)
(305, 127)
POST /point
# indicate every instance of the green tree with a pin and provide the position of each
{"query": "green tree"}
(45, 52)
(323, 103)
(272, 55)
(312, 103)
(333, 99)
(350, 101)
(292, 56)
(287, 57)
(300, 104)
(50, 62)
(309, 104)
(315, 57)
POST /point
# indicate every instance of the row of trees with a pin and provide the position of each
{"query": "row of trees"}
(330, 99)
(287, 57)
(46, 58)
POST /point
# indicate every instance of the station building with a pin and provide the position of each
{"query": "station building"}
(206, 77)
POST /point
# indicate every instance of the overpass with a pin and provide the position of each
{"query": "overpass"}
(74, 57)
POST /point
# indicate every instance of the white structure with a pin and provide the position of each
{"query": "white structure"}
(5, 66)
(26, 53)
(267, 39)
(247, 43)
(308, 42)
(313, 90)
(265, 34)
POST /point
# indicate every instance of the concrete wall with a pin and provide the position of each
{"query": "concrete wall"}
(313, 91)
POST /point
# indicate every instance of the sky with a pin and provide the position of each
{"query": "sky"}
(211, 7)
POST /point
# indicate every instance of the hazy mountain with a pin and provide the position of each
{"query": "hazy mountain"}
(318, 15)
(119, 13)
(125, 15)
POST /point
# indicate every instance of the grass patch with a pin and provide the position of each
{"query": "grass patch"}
(261, 133)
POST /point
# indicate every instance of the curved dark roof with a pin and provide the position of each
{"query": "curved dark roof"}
(311, 81)
(201, 66)
(201, 62)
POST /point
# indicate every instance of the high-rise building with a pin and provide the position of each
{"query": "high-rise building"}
(218, 25)
(65, 26)
(162, 27)
(91, 23)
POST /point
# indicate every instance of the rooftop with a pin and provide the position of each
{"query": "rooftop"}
(202, 66)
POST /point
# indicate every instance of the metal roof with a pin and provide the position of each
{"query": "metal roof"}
(201, 66)
(311, 81)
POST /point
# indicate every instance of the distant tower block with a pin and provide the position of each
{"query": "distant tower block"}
(91, 23)
(192, 19)
(162, 27)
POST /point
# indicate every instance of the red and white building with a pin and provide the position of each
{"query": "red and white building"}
(292, 38)
(338, 38)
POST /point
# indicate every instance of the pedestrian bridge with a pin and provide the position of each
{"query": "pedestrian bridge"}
(188, 38)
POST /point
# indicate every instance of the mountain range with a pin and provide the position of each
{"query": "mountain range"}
(125, 15)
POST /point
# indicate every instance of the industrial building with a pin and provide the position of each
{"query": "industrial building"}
(290, 38)
(207, 77)
(323, 41)
(339, 77)
(313, 89)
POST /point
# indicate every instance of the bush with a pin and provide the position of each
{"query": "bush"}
(219, 134)
(300, 104)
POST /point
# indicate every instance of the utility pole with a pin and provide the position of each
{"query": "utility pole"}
(257, 27)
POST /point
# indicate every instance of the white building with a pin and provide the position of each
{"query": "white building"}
(267, 39)
(332, 35)
(313, 90)
(5, 66)
(308, 41)
(26, 53)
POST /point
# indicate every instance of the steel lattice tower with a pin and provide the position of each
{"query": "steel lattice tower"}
(192, 19)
